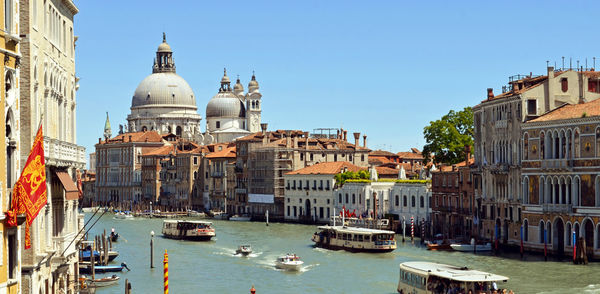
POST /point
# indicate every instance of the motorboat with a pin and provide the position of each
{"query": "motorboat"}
(90, 209)
(355, 239)
(87, 268)
(103, 282)
(240, 218)
(430, 277)
(123, 215)
(85, 255)
(471, 247)
(194, 230)
(244, 250)
(289, 262)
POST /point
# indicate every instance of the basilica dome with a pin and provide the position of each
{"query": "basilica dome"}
(225, 104)
(164, 88)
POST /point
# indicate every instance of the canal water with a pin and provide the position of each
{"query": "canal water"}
(211, 267)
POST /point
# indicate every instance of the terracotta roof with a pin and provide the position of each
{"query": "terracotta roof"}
(415, 150)
(326, 168)
(382, 170)
(410, 155)
(568, 111)
(379, 160)
(164, 150)
(228, 152)
(447, 168)
(148, 136)
(382, 153)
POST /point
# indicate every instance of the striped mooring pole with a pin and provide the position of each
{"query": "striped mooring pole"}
(412, 228)
(166, 266)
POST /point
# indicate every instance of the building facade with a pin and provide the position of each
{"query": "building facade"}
(309, 191)
(560, 182)
(498, 141)
(48, 97)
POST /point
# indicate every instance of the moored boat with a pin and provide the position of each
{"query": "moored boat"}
(240, 218)
(87, 268)
(85, 255)
(471, 247)
(188, 230)
(355, 239)
(123, 215)
(103, 282)
(244, 250)
(421, 277)
(289, 262)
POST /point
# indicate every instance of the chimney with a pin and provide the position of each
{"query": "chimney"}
(345, 135)
(364, 141)
(99, 140)
(129, 138)
(490, 93)
(467, 154)
(295, 139)
(356, 139)
(288, 139)
(306, 140)
(550, 89)
(263, 127)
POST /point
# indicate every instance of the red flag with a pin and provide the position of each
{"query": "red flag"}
(29, 192)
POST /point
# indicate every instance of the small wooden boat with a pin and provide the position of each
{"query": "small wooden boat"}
(289, 262)
(244, 250)
(87, 269)
(103, 282)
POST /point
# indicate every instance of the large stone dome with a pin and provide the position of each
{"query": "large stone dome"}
(225, 104)
(164, 89)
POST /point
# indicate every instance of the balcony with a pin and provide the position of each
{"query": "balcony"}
(501, 124)
(499, 168)
(61, 242)
(240, 190)
(557, 164)
(64, 154)
(557, 208)
(216, 174)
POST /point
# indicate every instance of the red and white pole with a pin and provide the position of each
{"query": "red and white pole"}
(166, 272)
(412, 228)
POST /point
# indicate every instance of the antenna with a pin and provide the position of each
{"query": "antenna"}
(563, 63)
(570, 63)
(547, 63)
(578, 64)
(586, 63)
(594, 62)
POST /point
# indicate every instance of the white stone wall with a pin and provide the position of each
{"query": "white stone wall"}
(320, 201)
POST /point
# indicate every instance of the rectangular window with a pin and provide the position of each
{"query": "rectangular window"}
(320, 212)
(8, 20)
(12, 256)
(288, 209)
(531, 107)
(295, 211)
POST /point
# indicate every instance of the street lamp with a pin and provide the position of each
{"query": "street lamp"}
(151, 248)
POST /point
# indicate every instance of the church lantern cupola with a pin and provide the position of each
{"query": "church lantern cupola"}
(225, 82)
(164, 58)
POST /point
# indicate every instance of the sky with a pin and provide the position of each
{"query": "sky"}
(384, 69)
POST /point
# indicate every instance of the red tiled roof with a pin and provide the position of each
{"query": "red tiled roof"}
(382, 170)
(228, 152)
(447, 168)
(326, 168)
(164, 150)
(382, 153)
(568, 111)
(148, 136)
(410, 155)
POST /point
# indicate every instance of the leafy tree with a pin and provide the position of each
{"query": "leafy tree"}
(341, 178)
(447, 137)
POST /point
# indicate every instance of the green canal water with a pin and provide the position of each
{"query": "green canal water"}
(211, 267)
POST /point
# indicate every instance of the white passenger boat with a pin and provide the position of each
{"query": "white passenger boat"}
(355, 239)
(289, 262)
(421, 277)
(123, 215)
(469, 247)
(244, 250)
(240, 218)
(188, 230)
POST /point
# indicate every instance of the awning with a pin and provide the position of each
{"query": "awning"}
(71, 191)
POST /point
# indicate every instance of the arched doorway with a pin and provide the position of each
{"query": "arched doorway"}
(497, 230)
(505, 232)
(178, 131)
(588, 234)
(559, 237)
(307, 207)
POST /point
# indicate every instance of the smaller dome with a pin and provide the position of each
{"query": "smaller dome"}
(253, 82)
(238, 86)
(225, 78)
(164, 47)
(225, 104)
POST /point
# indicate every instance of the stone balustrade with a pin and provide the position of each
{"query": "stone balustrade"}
(61, 153)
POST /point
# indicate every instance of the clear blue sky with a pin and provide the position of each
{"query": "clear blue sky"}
(381, 68)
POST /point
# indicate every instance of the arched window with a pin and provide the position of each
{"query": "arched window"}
(541, 232)
(340, 196)
(422, 201)
(397, 200)
(353, 199)
(413, 201)
(525, 230)
(526, 190)
(218, 124)
(525, 146)
(542, 145)
(564, 84)
(576, 144)
(347, 198)
(404, 201)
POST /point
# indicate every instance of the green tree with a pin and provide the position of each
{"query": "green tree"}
(447, 137)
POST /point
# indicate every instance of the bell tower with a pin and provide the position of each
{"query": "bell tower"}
(253, 105)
